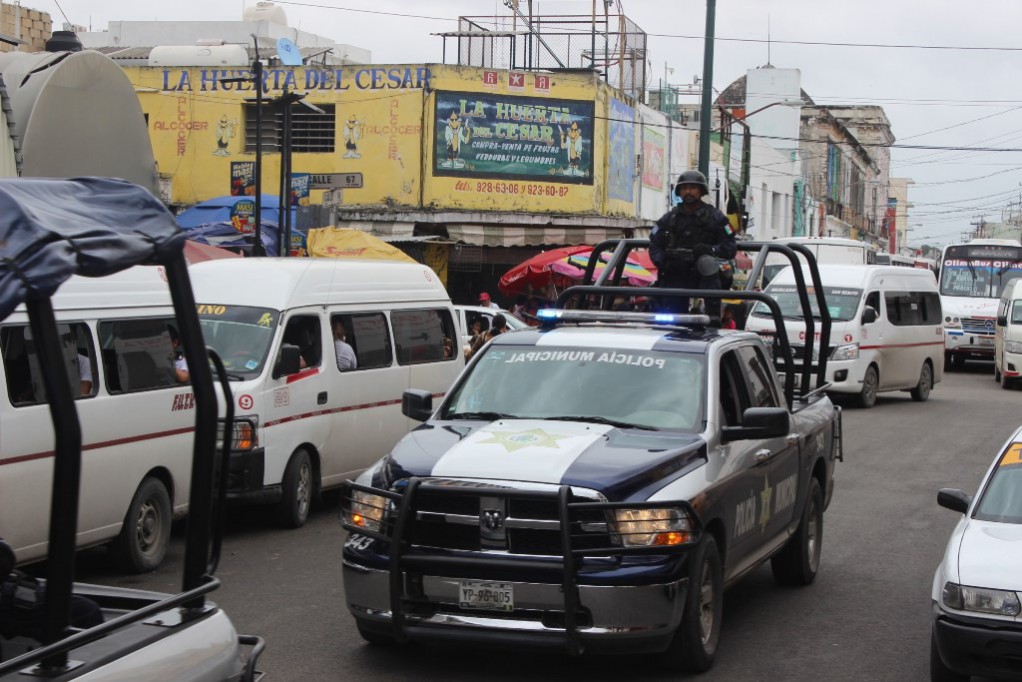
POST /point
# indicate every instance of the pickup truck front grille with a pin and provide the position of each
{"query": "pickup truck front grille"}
(527, 525)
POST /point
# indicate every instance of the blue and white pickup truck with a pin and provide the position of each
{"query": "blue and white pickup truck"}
(593, 485)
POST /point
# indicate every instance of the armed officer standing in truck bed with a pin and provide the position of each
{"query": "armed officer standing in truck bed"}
(687, 242)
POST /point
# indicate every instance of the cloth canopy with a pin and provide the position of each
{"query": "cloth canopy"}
(334, 242)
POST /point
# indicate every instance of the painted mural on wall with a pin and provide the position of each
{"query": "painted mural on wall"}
(652, 159)
(620, 168)
(482, 135)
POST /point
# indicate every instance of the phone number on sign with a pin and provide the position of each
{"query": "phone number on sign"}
(512, 188)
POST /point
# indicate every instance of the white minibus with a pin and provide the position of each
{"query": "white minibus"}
(304, 424)
(137, 420)
(887, 332)
(1008, 336)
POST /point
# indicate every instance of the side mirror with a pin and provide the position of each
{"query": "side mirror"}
(1002, 320)
(288, 362)
(759, 422)
(954, 499)
(869, 315)
(417, 404)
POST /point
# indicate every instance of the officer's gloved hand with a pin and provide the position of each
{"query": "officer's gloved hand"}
(702, 250)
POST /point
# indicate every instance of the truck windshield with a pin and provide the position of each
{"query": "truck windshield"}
(241, 335)
(623, 387)
(843, 303)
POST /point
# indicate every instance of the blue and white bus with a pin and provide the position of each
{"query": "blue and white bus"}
(972, 277)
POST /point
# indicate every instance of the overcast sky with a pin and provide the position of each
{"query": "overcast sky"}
(933, 97)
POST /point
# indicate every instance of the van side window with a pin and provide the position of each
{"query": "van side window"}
(303, 331)
(23, 370)
(368, 336)
(873, 300)
(423, 335)
(138, 355)
(913, 308)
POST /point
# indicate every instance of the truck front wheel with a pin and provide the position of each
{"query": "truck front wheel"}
(695, 642)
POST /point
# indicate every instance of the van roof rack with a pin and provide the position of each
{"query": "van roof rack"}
(600, 292)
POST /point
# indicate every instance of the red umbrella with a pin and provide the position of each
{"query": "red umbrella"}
(562, 267)
(196, 252)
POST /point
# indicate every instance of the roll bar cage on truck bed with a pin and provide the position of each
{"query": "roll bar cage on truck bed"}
(603, 290)
(50, 230)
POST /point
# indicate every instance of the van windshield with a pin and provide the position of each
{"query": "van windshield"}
(842, 302)
(241, 335)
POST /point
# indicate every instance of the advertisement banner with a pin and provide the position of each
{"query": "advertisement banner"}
(300, 184)
(243, 216)
(652, 159)
(891, 219)
(621, 162)
(242, 178)
(484, 135)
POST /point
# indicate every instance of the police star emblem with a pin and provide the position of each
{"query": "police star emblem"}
(516, 440)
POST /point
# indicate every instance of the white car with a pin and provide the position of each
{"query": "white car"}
(467, 313)
(977, 589)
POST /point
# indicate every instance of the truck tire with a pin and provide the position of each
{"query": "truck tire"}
(799, 560)
(938, 671)
(298, 488)
(870, 386)
(695, 642)
(1006, 383)
(922, 390)
(145, 533)
(947, 362)
(997, 373)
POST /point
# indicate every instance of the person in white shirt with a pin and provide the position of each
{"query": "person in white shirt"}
(84, 374)
(345, 354)
(484, 300)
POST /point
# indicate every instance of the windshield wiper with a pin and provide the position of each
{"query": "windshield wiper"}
(601, 420)
(488, 416)
(234, 377)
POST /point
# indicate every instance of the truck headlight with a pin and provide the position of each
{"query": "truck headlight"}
(981, 600)
(847, 352)
(1013, 346)
(243, 434)
(652, 527)
(367, 510)
(952, 322)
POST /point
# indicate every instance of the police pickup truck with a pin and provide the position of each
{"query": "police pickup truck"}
(594, 485)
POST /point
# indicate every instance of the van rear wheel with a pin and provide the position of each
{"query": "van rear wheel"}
(298, 488)
(145, 533)
(922, 390)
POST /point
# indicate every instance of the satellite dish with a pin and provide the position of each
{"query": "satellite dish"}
(288, 52)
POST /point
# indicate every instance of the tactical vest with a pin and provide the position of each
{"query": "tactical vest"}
(688, 229)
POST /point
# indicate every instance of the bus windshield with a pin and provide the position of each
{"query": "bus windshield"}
(979, 271)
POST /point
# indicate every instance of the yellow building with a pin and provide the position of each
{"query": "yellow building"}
(480, 157)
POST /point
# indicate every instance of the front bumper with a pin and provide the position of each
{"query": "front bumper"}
(632, 619)
(967, 344)
(977, 646)
(245, 478)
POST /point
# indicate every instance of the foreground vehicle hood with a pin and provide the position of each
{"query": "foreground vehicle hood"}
(990, 555)
(617, 462)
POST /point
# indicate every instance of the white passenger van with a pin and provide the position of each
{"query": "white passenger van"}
(137, 420)
(827, 250)
(302, 424)
(887, 332)
(1008, 335)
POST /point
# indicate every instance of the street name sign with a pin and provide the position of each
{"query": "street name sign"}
(336, 180)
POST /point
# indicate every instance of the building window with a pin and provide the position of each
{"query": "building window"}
(311, 131)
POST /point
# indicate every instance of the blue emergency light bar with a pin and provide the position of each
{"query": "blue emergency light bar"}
(550, 316)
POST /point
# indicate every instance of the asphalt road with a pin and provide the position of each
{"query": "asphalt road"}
(867, 616)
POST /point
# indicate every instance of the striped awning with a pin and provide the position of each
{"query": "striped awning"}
(515, 235)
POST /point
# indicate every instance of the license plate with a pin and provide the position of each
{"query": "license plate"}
(488, 596)
(983, 341)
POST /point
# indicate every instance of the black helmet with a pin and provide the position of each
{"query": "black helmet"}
(692, 177)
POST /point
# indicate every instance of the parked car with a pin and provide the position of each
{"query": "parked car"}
(467, 313)
(977, 614)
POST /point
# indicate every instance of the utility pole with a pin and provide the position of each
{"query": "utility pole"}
(705, 111)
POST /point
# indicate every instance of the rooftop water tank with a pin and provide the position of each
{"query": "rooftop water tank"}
(199, 55)
(265, 11)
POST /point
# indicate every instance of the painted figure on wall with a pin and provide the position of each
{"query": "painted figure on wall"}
(354, 130)
(455, 135)
(225, 132)
(573, 143)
